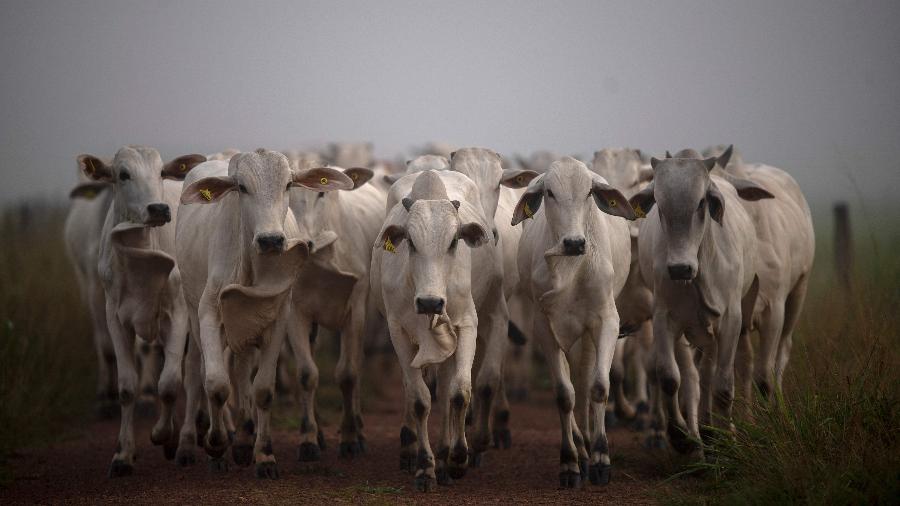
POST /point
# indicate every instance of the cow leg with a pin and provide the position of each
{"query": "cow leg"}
(107, 397)
(418, 402)
(347, 374)
(187, 440)
(690, 386)
(173, 334)
(637, 358)
(245, 433)
(148, 362)
(492, 326)
(216, 383)
(792, 306)
(707, 374)
(298, 332)
(586, 411)
(623, 408)
(501, 434)
(444, 378)
(460, 394)
(569, 472)
(665, 332)
(770, 328)
(264, 396)
(123, 343)
(723, 381)
(599, 470)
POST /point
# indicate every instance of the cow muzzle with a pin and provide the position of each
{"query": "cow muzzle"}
(682, 272)
(270, 243)
(573, 246)
(430, 305)
(157, 214)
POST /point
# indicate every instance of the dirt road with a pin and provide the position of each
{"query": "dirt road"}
(75, 471)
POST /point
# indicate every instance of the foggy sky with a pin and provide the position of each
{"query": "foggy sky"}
(811, 86)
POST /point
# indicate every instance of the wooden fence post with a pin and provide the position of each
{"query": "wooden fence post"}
(843, 245)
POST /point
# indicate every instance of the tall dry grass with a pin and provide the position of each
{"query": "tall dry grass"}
(47, 364)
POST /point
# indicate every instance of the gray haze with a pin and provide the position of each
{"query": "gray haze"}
(811, 86)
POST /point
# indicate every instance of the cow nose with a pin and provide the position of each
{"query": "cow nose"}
(270, 243)
(159, 212)
(681, 272)
(429, 305)
(573, 245)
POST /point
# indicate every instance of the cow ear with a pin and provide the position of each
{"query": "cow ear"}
(715, 202)
(88, 191)
(654, 161)
(390, 179)
(642, 202)
(474, 234)
(178, 168)
(748, 190)
(208, 190)
(710, 163)
(392, 236)
(321, 179)
(95, 169)
(529, 202)
(611, 201)
(516, 178)
(725, 157)
(359, 176)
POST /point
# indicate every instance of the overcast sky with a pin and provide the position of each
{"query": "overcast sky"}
(811, 86)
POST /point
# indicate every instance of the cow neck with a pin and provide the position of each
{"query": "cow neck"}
(708, 256)
(564, 268)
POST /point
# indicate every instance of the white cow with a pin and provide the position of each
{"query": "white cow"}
(573, 261)
(350, 154)
(83, 230)
(786, 249)
(498, 196)
(141, 283)
(432, 246)
(332, 291)
(696, 246)
(241, 251)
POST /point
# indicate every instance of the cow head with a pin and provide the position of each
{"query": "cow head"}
(569, 191)
(313, 208)
(484, 168)
(431, 231)
(136, 175)
(687, 198)
(262, 180)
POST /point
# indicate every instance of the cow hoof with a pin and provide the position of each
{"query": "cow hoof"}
(185, 458)
(443, 477)
(569, 479)
(170, 449)
(583, 465)
(218, 465)
(320, 438)
(309, 452)
(407, 462)
(425, 483)
(215, 445)
(681, 442)
(242, 455)
(120, 468)
(599, 473)
(266, 471)
(350, 450)
(475, 460)
(502, 439)
(707, 435)
(655, 442)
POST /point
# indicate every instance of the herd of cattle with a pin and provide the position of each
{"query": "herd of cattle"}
(656, 268)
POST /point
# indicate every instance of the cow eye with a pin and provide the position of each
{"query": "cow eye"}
(124, 176)
(702, 205)
(242, 188)
(453, 244)
(320, 195)
(412, 247)
(550, 194)
(288, 187)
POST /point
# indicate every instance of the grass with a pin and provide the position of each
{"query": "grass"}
(833, 437)
(47, 364)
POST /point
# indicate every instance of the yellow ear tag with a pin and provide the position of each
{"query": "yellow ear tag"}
(89, 194)
(520, 179)
(206, 194)
(324, 180)
(183, 167)
(388, 245)
(354, 176)
(528, 212)
(612, 203)
(638, 211)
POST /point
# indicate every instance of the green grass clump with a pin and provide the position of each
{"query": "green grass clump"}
(833, 436)
(47, 358)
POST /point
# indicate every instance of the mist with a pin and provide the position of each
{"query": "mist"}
(809, 86)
